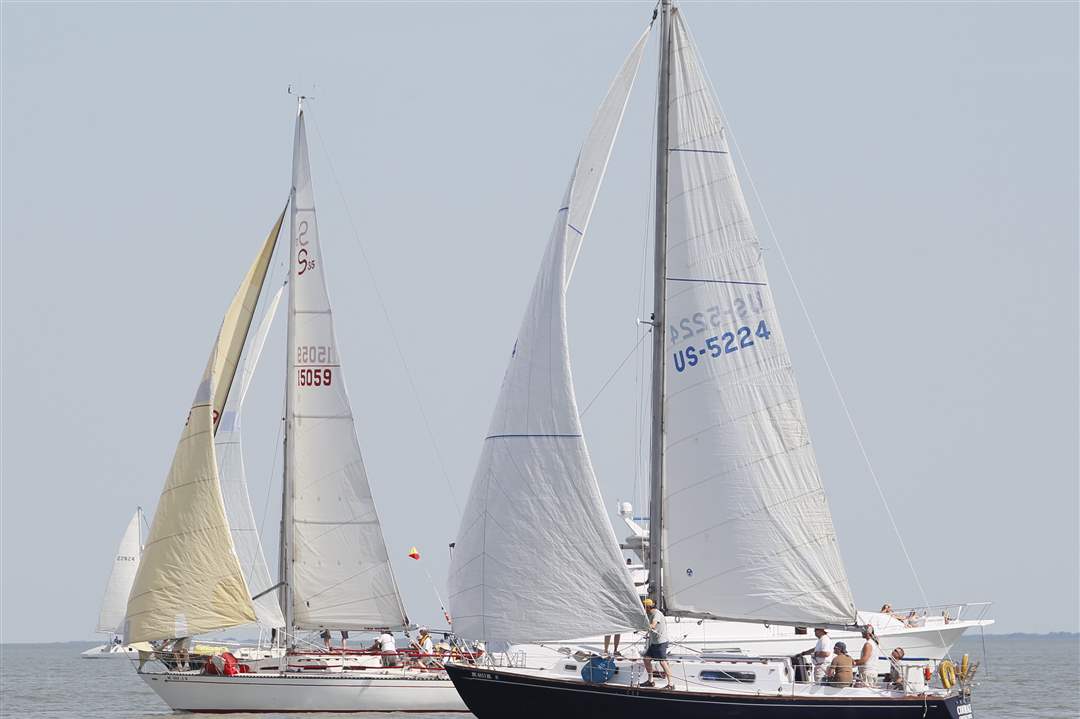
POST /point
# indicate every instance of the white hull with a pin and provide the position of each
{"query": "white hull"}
(930, 642)
(111, 651)
(366, 691)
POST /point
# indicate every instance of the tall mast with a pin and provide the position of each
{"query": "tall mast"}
(656, 469)
(286, 542)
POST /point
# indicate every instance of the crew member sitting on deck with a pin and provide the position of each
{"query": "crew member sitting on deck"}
(896, 673)
(425, 648)
(840, 672)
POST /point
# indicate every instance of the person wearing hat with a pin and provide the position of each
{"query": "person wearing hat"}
(425, 648)
(658, 644)
(841, 671)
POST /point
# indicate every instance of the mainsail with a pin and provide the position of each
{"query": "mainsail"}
(747, 529)
(234, 486)
(534, 535)
(189, 580)
(337, 569)
(122, 576)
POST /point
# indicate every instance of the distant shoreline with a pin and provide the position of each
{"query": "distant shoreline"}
(989, 635)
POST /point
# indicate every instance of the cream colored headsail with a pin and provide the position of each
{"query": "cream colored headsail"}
(189, 580)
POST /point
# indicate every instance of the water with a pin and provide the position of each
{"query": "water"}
(1023, 678)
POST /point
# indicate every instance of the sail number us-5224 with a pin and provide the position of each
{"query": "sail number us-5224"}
(728, 342)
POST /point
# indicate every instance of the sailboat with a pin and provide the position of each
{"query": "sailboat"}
(114, 603)
(202, 568)
(739, 526)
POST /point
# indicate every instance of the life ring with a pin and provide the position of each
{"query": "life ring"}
(964, 666)
(947, 672)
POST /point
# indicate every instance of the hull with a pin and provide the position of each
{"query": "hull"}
(491, 694)
(111, 651)
(297, 692)
(919, 643)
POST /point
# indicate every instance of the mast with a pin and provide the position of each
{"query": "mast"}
(286, 542)
(656, 469)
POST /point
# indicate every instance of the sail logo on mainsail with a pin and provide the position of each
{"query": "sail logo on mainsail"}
(302, 260)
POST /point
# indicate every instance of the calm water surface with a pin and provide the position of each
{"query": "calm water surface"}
(1022, 679)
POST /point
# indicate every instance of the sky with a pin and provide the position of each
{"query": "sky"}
(916, 162)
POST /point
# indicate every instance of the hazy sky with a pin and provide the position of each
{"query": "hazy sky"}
(918, 163)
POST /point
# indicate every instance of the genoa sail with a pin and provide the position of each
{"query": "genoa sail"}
(747, 532)
(337, 569)
(234, 486)
(122, 576)
(534, 527)
(189, 580)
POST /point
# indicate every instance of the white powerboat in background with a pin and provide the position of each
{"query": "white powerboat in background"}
(925, 633)
(114, 603)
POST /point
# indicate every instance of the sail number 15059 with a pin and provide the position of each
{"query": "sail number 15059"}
(313, 377)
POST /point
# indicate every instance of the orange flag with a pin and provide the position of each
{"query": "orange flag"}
(414, 553)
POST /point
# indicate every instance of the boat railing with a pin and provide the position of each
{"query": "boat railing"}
(942, 613)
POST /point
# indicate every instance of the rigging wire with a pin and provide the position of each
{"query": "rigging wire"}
(389, 324)
(612, 375)
(810, 323)
(640, 413)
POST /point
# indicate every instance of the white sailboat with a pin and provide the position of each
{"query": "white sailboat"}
(114, 603)
(739, 529)
(203, 568)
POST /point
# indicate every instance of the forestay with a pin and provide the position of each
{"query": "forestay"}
(536, 558)
(339, 575)
(234, 487)
(122, 576)
(189, 580)
(748, 533)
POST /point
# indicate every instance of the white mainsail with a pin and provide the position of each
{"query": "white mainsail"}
(747, 529)
(122, 576)
(189, 580)
(534, 535)
(337, 570)
(234, 486)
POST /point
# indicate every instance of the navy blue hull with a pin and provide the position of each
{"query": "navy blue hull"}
(494, 694)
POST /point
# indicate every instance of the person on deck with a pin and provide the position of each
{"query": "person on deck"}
(344, 639)
(325, 634)
(658, 644)
(896, 673)
(607, 641)
(425, 648)
(840, 672)
(867, 657)
(387, 649)
(821, 653)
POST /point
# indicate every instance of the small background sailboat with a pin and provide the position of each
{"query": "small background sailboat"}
(114, 603)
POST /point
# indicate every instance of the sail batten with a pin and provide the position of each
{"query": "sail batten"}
(534, 529)
(747, 532)
(337, 569)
